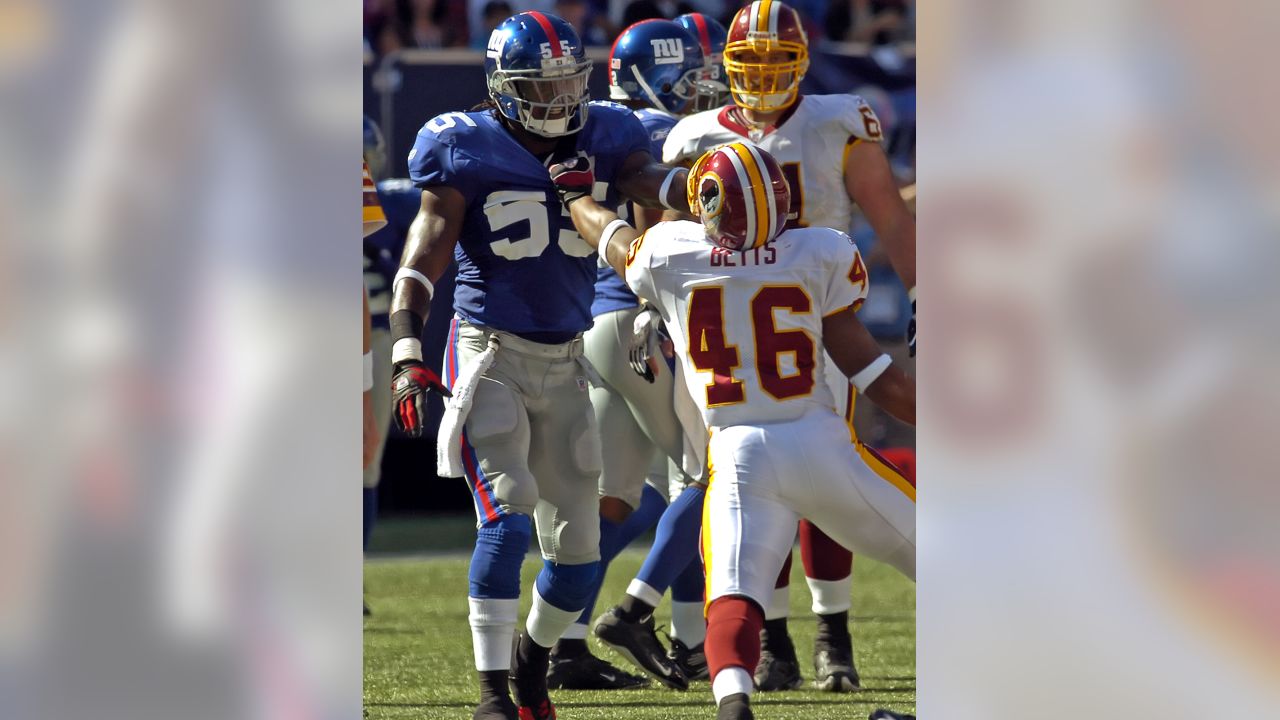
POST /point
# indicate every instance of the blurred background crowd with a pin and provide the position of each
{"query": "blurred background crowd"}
(391, 25)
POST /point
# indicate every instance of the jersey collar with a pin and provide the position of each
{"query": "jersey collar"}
(731, 117)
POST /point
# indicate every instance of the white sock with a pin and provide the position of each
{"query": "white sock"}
(493, 624)
(779, 604)
(830, 596)
(731, 680)
(688, 623)
(643, 592)
(576, 631)
(547, 622)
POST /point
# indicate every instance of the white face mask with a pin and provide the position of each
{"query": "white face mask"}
(549, 107)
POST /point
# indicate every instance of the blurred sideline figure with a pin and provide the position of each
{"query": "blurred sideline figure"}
(373, 220)
(399, 200)
(828, 147)
(655, 69)
(748, 303)
(519, 425)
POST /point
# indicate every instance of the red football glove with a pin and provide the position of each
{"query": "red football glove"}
(409, 389)
(573, 177)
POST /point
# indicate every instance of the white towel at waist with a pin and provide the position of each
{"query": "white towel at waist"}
(449, 437)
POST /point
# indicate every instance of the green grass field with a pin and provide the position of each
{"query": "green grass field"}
(418, 663)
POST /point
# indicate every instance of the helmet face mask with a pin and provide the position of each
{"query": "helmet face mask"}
(740, 195)
(537, 71)
(712, 87)
(766, 56)
(546, 106)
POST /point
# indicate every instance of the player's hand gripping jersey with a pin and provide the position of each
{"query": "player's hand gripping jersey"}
(810, 141)
(516, 240)
(767, 303)
(611, 293)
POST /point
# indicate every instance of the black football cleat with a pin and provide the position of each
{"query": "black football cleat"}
(691, 660)
(883, 714)
(528, 680)
(735, 707)
(638, 642)
(588, 672)
(778, 668)
(496, 708)
(833, 668)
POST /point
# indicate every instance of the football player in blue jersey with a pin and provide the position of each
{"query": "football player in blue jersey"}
(655, 68)
(519, 424)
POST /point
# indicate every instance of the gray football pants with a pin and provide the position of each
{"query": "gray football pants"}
(530, 444)
(637, 419)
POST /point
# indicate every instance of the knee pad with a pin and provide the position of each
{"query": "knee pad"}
(501, 545)
(584, 444)
(567, 587)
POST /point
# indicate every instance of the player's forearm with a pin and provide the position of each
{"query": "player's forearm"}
(655, 185)
(427, 253)
(895, 392)
(597, 223)
(900, 245)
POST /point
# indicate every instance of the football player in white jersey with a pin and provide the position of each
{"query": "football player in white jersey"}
(750, 306)
(829, 149)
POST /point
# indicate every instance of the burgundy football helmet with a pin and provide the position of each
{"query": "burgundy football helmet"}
(740, 195)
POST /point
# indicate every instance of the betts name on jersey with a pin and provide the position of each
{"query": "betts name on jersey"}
(750, 323)
(811, 141)
(522, 267)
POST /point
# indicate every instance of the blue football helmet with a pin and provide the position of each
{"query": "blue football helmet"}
(537, 74)
(658, 62)
(713, 91)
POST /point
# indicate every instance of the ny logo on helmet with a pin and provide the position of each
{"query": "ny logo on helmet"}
(667, 51)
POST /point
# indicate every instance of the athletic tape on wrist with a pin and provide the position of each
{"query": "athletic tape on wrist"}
(406, 273)
(666, 186)
(368, 371)
(406, 349)
(873, 370)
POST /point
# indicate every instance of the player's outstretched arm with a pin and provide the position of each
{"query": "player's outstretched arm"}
(860, 358)
(648, 182)
(598, 225)
(868, 179)
(427, 252)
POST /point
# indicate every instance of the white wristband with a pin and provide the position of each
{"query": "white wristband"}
(406, 349)
(368, 371)
(610, 230)
(911, 294)
(867, 375)
(407, 273)
(666, 186)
